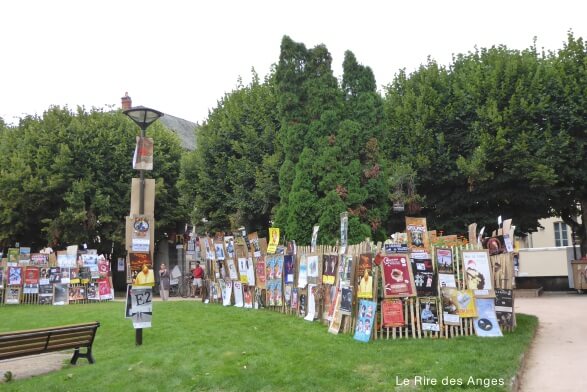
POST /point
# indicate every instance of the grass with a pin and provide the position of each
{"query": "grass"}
(193, 347)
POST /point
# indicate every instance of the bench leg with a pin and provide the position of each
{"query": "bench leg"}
(77, 355)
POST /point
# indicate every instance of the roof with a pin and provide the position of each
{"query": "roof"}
(184, 129)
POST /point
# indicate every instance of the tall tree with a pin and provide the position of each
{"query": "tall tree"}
(67, 178)
(233, 172)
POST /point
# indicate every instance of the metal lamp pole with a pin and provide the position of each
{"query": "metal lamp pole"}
(143, 117)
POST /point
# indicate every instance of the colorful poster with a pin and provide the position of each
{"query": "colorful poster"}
(15, 276)
(77, 293)
(288, 267)
(248, 293)
(24, 257)
(219, 251)
(1, 277)
(243, 270)
(13, 256)
(444, 260)
(260, 268)
(365, 319)
(417, 235)
(450, 313)
(397, 276)
(463, 301)
(141, 233)
(365, 276)
(287, 295)
(504, 307)
(104, 288)
(55, 275)
(494, 245)
(273, 240)
(92, 292)
(40, 259)
(424, 277)
(141, 267)
(429, 314)
(31, 275)
(393, 313)
(486, 324)
(330, 262)
(478, 276)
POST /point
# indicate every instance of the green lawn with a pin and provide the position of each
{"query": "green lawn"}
(193, 346)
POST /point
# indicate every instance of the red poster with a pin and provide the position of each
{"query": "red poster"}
(397, 275)
(260, 270)
(31, 275)
(393, 314)
(104, 288)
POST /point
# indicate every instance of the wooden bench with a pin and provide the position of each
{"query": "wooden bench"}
(38, 341)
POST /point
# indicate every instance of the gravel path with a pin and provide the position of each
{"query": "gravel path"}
(557, 360)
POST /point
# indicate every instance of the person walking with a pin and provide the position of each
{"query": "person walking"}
(198, 274)
(164, 282)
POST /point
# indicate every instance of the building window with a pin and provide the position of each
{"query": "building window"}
(561, 237)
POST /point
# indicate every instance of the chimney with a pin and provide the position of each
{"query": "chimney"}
(126, 102)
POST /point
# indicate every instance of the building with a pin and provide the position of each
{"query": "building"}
(544, 257)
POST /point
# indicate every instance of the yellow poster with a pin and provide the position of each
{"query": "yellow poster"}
(273, 240)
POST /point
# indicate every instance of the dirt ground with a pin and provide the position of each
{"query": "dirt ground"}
(557, 360)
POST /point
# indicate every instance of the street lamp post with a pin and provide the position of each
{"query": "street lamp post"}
(143, 117)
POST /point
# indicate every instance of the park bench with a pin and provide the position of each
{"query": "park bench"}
(39, 341)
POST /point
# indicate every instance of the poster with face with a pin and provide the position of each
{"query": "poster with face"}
(429, 314)
(288, 266)
(330, 262)
(365, 320)
(478, 276)
(397, 276)
(424, 277)
(261, 277)
(313, 271)
(417, 234)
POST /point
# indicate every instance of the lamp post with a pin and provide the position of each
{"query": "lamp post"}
(143, 117)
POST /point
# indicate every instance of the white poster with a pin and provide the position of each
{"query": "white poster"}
(311, 303)
(238, 294)
(227, 294)
(141, 309)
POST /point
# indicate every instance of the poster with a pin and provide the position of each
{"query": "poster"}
(229, 246)
(140, 233)
(486, 324)
(141, 309)
(12, 296)
(504, 307)
(14, 276)
(312, 268)
(393, 313)
(120, 264)
(243, 270)
(45, 294)
(143, 155)
(40, 259)
(311, 303)
(344, 230)
(346, 300)
(447, 280)
(219, 251)
(294, 298)
(365, 319)
(104, 288)
(397, 277)
(303, 271)
(336, 317)
(260, 272)
(141, 267)
(365, 276)
(1, 277)
(461, 301)
(314, 240)
(248, 293)
(330, 262)
(288, 267)
(60, 294)
(429, 314)
(238, 294)
(227, 294)
(31, 275)
(478, 276)
(444, 260)
(347, 271)
(273, 240)
(255, 246)
(424, 277)
(417, 235)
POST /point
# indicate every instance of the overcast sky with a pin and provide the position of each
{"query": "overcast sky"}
(182, 56)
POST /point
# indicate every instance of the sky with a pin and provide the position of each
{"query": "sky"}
(181, 57)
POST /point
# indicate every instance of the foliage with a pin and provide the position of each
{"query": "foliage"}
(66, 179)
(233, 173)
(238, 350)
